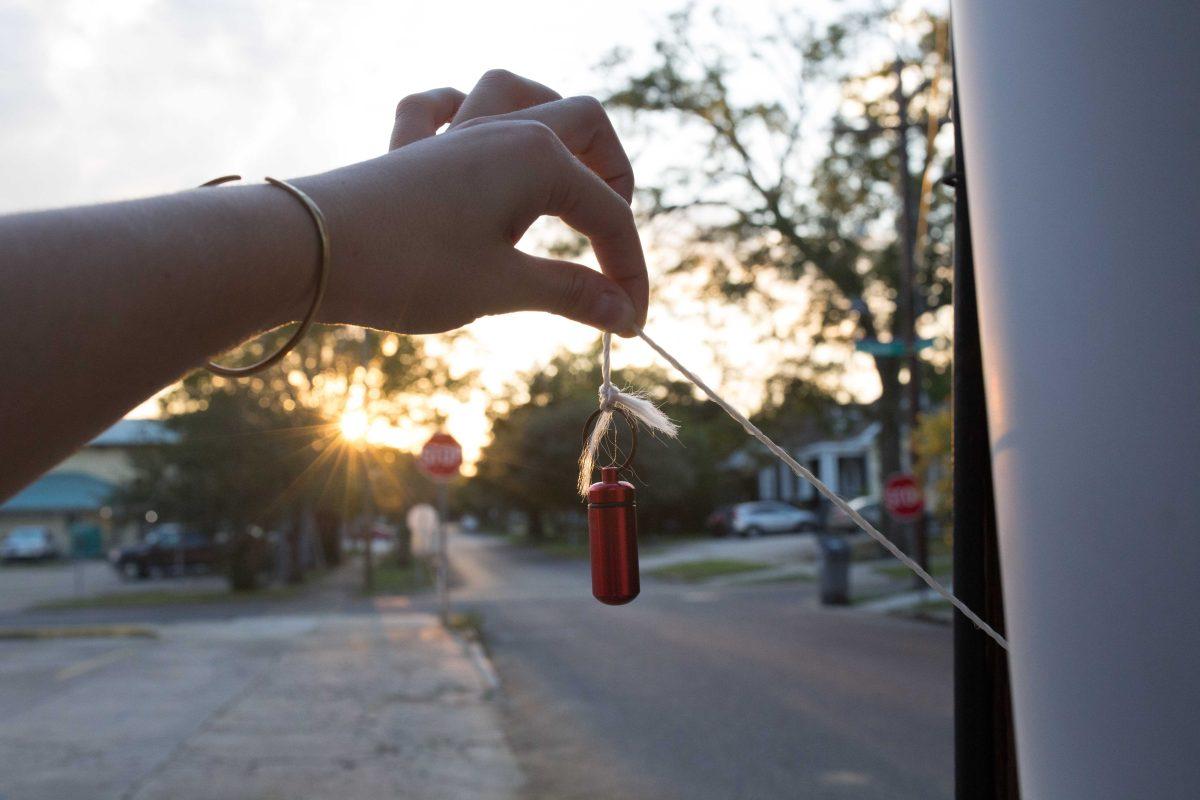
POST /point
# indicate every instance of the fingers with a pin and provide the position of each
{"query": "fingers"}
(584, 127)
(548, 179)
(590, 206)
(418, 116)
(569, 290)
(500, 92)
(580, 122)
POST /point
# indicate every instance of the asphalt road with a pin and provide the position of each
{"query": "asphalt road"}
(753, 692)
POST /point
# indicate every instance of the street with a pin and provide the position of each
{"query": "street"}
(752, 692)
(688, 692)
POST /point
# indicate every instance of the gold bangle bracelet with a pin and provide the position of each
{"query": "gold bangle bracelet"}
(322, 282)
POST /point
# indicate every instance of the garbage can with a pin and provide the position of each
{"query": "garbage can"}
(835, 571)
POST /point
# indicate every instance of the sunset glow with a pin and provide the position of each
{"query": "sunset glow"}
(354, 425)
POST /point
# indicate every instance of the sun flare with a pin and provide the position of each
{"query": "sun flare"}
(354, 425)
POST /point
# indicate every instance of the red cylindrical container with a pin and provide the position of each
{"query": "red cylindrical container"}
(612, 533)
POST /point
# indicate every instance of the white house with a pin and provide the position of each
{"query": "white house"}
(848, 465)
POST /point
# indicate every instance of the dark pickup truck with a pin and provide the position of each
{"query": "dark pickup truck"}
(166, 550)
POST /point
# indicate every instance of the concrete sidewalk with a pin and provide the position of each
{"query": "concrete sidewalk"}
(345, 706)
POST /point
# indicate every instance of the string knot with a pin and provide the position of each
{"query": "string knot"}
(638, 409)
(608, 396)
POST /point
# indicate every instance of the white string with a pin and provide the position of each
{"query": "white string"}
(783, 456)
(608, 392)
(611, 399)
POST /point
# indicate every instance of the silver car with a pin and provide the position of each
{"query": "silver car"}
(770, 516)
(869, 507)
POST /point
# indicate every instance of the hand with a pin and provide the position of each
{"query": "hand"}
(500, 95)
(424, 237)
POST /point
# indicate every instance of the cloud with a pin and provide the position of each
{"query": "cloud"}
(119, 99)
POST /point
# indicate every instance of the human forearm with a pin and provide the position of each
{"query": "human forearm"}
(100, 307)
(107, 304)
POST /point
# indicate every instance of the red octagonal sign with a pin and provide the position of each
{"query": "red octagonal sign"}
(441, 456)
(902, 497)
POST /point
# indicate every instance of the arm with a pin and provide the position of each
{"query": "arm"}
(102, 306)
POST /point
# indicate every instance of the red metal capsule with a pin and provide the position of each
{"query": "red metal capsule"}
(612, 533)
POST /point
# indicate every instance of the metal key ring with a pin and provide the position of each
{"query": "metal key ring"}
(587, 426)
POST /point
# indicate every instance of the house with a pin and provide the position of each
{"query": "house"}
(72, 499)
(848, 464)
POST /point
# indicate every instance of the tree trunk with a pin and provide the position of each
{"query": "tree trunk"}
(536, 530)
(295, 565)
(329, 531)
(243, 556)
(888, 407)
(404, 554)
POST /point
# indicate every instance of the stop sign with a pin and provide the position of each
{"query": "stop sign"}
(902, 497)
(441, 456)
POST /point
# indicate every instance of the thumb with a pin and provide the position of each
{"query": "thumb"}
(572, 291)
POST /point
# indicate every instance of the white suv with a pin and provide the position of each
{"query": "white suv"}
(770, 516)
(28, 543)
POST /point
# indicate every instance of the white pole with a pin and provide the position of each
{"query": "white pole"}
(443, 565)
(1082, 143)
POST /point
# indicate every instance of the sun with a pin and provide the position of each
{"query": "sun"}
(354, 425)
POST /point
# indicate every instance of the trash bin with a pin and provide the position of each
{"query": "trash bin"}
(835, 571)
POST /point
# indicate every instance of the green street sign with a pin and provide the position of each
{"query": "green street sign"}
(895, 349)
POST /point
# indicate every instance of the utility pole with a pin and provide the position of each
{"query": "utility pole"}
(906, 302)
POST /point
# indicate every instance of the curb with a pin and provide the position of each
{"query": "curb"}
(79, 632)
(483, 665)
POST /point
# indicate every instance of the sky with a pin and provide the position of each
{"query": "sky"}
(126, 98)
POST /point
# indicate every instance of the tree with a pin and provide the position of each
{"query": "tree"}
(754, 222)
(262, 451)
(531, 463)
(934, 465)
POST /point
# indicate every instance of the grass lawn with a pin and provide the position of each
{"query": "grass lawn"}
(162, 597)
(938, 565)
(580, 549)
(80, 632)
(796, 577)
(40, 564)
(939, 611)
(469, 624)
(695, 571)
(940, 605)
(390, 578)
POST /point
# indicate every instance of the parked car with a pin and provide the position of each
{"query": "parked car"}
(719, 522)
(29, 543)
(166, 550)
(769, 516)
(866, 505)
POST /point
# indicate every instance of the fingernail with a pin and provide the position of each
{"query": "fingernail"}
(613, 312)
